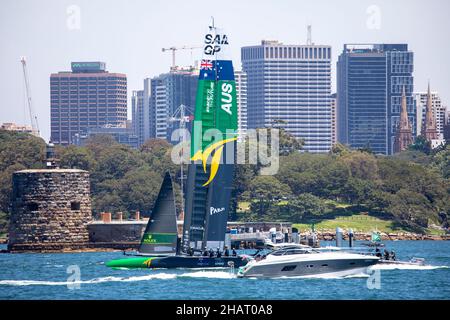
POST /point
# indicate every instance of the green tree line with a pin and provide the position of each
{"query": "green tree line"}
(411, 188)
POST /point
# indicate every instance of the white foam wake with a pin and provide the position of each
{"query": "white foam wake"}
(209, 274)
(405, 267)
(160, 276)
(92, 281)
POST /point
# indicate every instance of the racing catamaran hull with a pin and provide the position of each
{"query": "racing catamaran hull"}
(181, 261)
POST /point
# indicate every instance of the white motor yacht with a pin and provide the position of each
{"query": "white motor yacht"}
(292, 261)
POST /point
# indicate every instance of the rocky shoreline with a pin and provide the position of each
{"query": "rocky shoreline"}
(330, 235)
(322, 235)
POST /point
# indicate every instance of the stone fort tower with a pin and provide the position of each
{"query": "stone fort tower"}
(50, 210)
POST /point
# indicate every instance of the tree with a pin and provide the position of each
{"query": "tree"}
(421, 144)
(139, 188)
(76, 158)
(362, 165)
(18, 151)
(442, 161)
(98, 143)
(305, 206)
(411, 210)
(21, 148)
(269, 188)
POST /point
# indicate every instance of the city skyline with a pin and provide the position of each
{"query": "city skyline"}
(55, 37)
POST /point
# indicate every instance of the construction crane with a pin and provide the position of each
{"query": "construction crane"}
(173, 49)
(33, 117)
(180, 116)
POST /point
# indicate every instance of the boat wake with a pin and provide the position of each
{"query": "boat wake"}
(208, 274)
(158, 276)
(92, 281)
(405, 267)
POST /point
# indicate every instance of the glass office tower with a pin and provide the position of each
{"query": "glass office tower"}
(370, 78)
(290, 86)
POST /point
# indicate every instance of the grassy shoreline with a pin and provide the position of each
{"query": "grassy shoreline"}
(361, 223)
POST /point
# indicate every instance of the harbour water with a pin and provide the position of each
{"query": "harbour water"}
(51, 276)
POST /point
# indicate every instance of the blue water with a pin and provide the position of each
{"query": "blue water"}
(44, 276)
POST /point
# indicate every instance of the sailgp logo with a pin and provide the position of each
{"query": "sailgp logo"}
(213, 210)
(213, 43)
(215, 158)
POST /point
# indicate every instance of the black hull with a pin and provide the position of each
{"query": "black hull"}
(197, 262)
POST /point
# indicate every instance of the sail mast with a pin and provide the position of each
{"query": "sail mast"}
(210, 176)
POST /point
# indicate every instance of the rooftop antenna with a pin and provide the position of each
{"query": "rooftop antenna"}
(309, 37)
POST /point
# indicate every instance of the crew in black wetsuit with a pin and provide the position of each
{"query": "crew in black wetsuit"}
(393, 255)
(211, 253)
(218, 253)
(226, 252)
(205, 253)
(386, 254)
(378, 253)
(234, 253)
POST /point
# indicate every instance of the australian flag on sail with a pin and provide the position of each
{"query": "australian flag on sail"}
(216, 70)
(206, 65)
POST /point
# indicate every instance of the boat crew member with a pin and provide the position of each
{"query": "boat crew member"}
(377, 252)
(226, 252)
(211, 253)
(218, 253)
(234, 253)
(393, 255)
(205, 253)
(386, 254)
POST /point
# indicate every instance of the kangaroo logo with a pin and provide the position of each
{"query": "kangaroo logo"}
(215, 159)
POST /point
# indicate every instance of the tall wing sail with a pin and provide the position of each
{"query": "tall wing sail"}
(213, 146)
(160, 235)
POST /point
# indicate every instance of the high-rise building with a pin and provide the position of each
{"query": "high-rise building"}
(437, 109)
(241, 95)
(140, 111)
(333, 119)
(153, 106)
(290, 84)
(370, 78)
(86, 97)
(168, 92)
(446, 129)
(403, 136)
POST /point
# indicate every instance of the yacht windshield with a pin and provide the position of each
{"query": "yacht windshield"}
(292, 251)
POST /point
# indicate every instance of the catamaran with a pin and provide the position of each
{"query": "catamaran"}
(209, 179)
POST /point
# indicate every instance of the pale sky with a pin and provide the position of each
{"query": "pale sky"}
(129, 35)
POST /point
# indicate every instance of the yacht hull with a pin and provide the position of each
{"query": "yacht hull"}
(338, 267)
(171, 262)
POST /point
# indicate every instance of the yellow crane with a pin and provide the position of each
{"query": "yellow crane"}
(173, 49)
